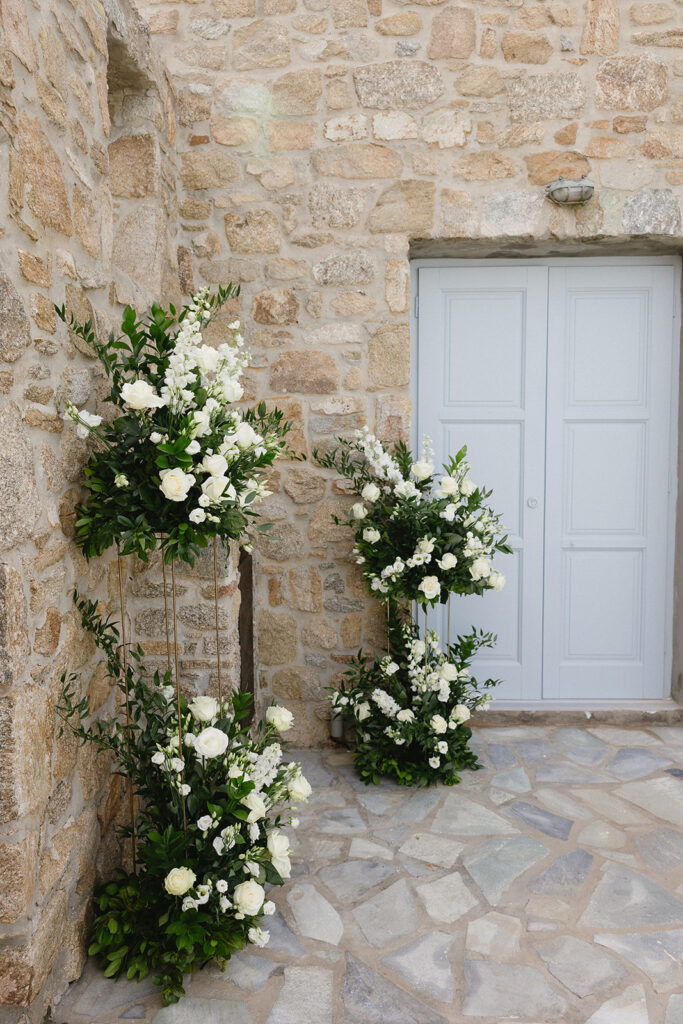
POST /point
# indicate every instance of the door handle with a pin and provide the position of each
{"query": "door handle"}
(532, 502)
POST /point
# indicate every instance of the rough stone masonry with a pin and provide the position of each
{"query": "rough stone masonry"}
(303, 148)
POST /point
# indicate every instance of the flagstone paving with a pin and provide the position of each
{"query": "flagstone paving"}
(546, 887)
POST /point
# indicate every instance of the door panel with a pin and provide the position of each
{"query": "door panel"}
(481, 381)
(559, 380)
(607, 481)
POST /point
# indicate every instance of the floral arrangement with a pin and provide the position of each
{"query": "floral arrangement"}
(420, 536)
(213, 798)
(410, 707)
(177, 464)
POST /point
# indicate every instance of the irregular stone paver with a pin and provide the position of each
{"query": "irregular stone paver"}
(370, 998)
(306, 995)
(627, 899)
(496, 864)
(661, 849)
(662, 796)
(580, 966)
(459, 816)
(351, 880)
(629, 1007)
(388, 916)
(434, 849)
(544, 821)
(208, 1011)
(507, 991)
(494, 935)
(609, 893)
(516, 780)
(632, 763)
(447, 898)
(424, 965)
(659, 955)
(315, 917)
(569, 870)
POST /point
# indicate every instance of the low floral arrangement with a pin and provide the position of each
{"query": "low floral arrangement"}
(177, 464)
(420, 536)
(213, 798)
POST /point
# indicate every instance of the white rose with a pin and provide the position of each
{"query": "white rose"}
(447, 487)
(204, 823)
(215, 465)
(370, 492)
(496, 580)
(141, 395)
(155, 437)
(211, 743)
(204, 708)
(206, 358)
(184, 789)
(231, 390)
(480, 568)
(221, 885)
(461, 713)
(269, 908)
(201, 423)
(278, 847)
(405, 489)
(197, 516)
(467, 488)
(405, 715)
(175, 484)
(371, 535)
(442, 747)
(449, 561)
(158, 758)
(439, 724)
(449, 513)
(422, 469)
(299, 789)
(359, 511)
(179, 880)
(248, 897)
(434, 762)
(245, 436)
(448, 672)
(214, 486)
(430, 587)
(255, 805)
(362, 711)
(193, 447)
(281, 718)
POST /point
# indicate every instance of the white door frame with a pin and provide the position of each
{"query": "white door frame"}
(613, 261)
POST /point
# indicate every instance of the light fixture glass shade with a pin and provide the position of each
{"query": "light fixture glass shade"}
(570, 191)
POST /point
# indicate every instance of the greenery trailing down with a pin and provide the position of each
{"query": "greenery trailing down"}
(420, 536)
(209, 821)
(175, 461)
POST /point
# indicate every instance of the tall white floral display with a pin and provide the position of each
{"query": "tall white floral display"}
(179, 467)
(421, 536)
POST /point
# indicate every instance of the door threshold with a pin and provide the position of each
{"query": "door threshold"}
(575, 712)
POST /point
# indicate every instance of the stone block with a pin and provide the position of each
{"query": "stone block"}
(19, 508)
(289, 135)
(545, 167)
(543, 97)
(18, 864)
(208, 168)
(453, 33)
(134, 166)
(362, 160)
(335, 207)
(305, 372)
(600, 27)
(406, 207)
(631, 83)
(42, 170)
(260, 44)
(398, 83)
(485, 166)
(389, 356)
(275, 306)
(349, 13)
(406, 23)
(344, 269)
(277, 638)
(15, 328)
(26, 728)
(480, 81)
(256, 231)
(523, 48)
(139, 248)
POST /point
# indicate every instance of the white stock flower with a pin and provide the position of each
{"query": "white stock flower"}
(299, 788)
(179, 880)
(359, 511)
(215, 465)
(121, 480)
(175, 484)
(406, 489)
(422, 469)
(206, 358)
(211, 742)
(391, 668)
(371, 535)
(203, 708)
(449, 561)
(370, 492)
(248, 897)
(201, 423)
(231, 390)
(439, 724)
(255, 805)
(430, 587)
(280, 717)
(480, 568)
(139, 395)
(197, 516)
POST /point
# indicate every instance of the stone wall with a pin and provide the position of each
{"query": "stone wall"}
(88, 216)
(322, 142)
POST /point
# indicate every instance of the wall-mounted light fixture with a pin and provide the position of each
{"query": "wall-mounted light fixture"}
(570, 191)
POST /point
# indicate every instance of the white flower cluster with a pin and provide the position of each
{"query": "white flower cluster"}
(385, 703)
